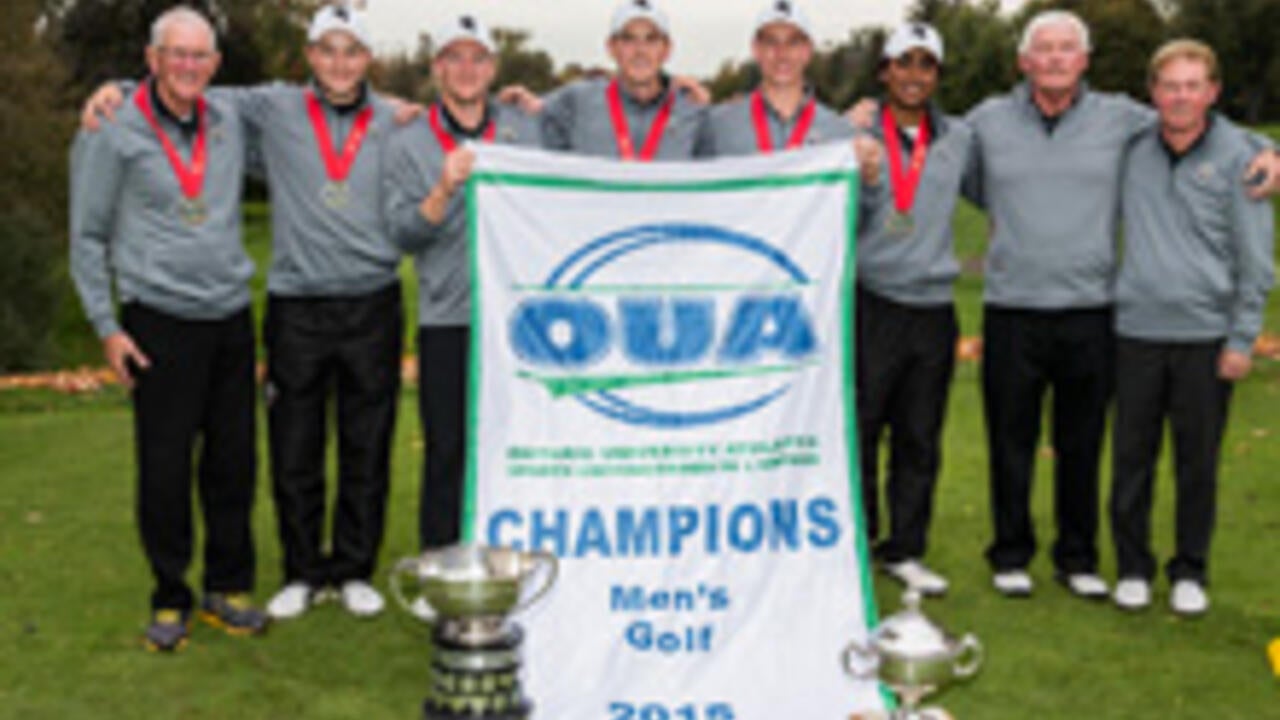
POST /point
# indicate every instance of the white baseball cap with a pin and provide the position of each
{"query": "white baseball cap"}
(910, 36)
(340, 18)
(784, 11)
(464, 27)
(639, 10)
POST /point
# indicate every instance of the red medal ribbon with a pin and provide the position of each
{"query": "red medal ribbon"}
(445, 139)
(338, 166)
(764, 139)
(622, 130)
(904, 181)
(190, 178)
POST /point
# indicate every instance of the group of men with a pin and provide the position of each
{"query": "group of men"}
(357, 180)
(1166, 329)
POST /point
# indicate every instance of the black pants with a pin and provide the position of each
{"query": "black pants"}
(1178, 381)
(198, 392)
(347, 348)
(906, 357)
(442, 404)
(1026, 352)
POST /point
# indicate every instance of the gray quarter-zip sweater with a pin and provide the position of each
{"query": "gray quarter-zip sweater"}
(730, 129)
(576, 118)
(127, 226)
(1198, 253)
(919, 267)
(1052, 192)
(318, 249)
(413, 165)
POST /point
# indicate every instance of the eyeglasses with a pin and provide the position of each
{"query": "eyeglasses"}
(198, 57)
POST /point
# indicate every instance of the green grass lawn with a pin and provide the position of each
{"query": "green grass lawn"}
(75, 590)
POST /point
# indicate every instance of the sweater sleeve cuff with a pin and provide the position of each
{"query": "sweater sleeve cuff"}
(1240, 344)
(106, 326)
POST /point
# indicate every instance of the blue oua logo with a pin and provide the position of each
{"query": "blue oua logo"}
(642, 338)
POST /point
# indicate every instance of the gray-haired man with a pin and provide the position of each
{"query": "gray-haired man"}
(155, 211)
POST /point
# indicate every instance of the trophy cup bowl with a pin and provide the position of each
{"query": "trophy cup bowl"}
(473, 590)
(913, 657)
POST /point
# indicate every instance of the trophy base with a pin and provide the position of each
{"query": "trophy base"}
(431, 713)
(476, 682)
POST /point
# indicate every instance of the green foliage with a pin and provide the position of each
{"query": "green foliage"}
(1246, 36)
(33, 193)
(981, 46)
(76, 585)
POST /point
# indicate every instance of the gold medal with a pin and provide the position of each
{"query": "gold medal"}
(336, 195)
(194, 211)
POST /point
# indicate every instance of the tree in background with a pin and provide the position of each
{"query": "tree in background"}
(1246, 36)
(33, 192)
(981, 50)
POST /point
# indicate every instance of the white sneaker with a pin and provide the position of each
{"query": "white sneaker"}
(292, 600)
(915, 576)
(1085, 585)
(422, 610)
(1132, 594)
(1013, 583)
(1188, 598)
(360, 599)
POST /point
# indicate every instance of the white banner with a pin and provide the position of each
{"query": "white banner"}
(662, 396)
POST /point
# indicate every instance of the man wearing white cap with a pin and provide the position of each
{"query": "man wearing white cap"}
(334, 317)
(427, 167)
(782, 113)
(905, 313)
(640, 114)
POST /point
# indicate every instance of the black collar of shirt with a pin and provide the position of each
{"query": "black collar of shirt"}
(188, 125)
(457, 129)
(656, 99)
(362, 97)
(1176, 157)
(933, 115)
(1051, 122)
(804, 102)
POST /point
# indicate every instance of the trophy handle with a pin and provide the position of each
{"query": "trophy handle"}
(405, 567)
(551, 565)
(969, 659)
(859, 661)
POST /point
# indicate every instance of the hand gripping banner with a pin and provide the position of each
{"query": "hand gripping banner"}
(662, 396)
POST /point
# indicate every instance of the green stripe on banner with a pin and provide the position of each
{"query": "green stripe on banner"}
(849, 284)
(472, 489)
(568, 386)
(822, 178)
(623, 289)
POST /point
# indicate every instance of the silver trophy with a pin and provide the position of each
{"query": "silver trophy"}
(913, 657)
(469, 592)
